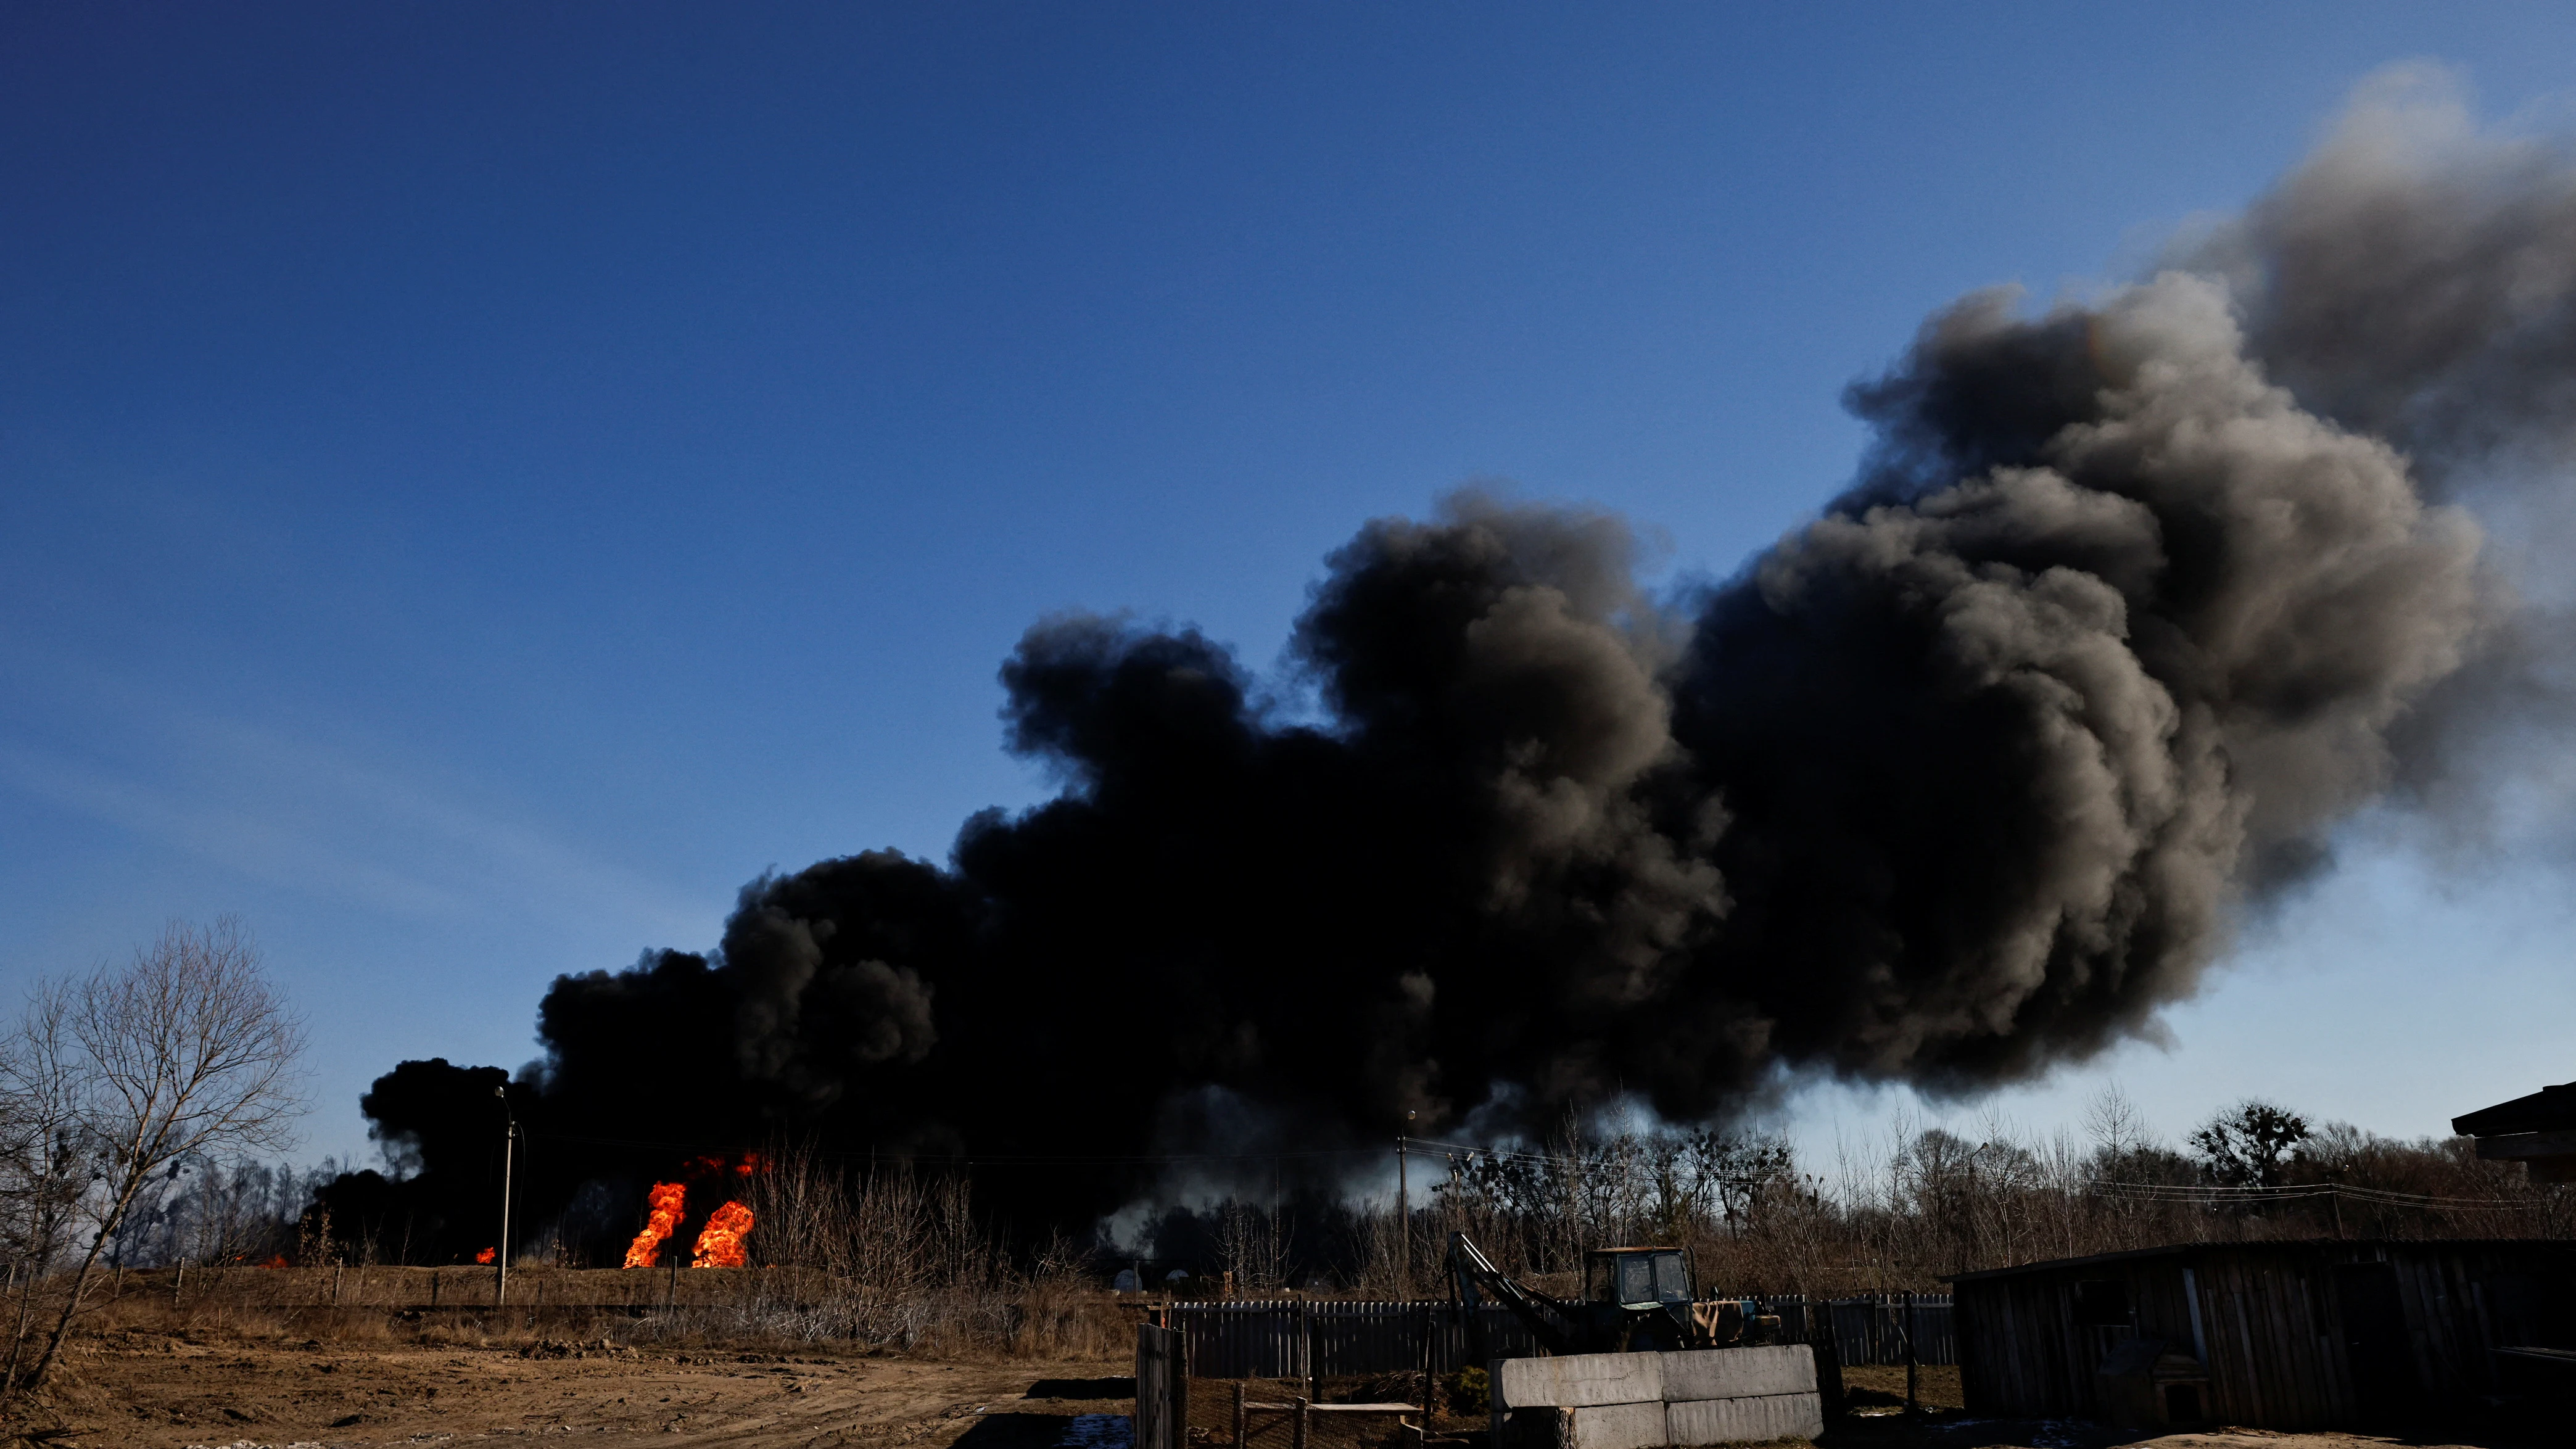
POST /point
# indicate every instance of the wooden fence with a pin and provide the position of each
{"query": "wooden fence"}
(1162, 1389)
(1874, 1329)
(1327, 1338)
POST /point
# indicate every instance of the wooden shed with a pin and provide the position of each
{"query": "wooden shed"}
(2538, 1131)
(2295, 1335)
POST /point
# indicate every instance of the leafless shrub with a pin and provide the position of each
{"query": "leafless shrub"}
(1257, 1246)
(883, 1254)
(186, 1053)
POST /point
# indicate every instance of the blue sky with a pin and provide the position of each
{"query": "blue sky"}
(479, 483)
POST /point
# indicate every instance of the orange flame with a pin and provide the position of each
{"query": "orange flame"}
(667, 1199)
(720, 1246)
(485, 1256)
(277, 1262)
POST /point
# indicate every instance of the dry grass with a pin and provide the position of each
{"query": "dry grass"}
(877, 1259)
(779, 1307)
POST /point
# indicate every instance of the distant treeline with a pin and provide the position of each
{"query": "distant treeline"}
(1922, 1203)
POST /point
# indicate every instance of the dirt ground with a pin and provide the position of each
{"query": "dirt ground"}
(1877, 1396)
(153, 1391)
(157, 1392)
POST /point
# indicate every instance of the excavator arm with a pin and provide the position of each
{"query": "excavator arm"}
(1474, 1280)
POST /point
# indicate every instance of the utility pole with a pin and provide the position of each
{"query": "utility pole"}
(1404, 1219)
(501, 1252)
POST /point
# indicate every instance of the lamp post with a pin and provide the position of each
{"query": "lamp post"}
(501, 1252)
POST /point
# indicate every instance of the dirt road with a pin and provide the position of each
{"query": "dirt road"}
(151, 1391)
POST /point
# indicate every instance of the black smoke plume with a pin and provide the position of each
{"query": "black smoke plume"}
(2125, 611)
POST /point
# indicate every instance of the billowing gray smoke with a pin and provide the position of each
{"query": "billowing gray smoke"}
(2110, 630)
(2415, 278)
(1966, 777)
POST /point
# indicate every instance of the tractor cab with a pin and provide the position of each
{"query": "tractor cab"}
(1638, 1278)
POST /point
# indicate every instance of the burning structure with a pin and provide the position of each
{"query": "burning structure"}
(2131, 602)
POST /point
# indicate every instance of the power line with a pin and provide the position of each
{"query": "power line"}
(2286, 1192)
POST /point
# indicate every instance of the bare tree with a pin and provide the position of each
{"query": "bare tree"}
(187, 1051)
(2117, 1128)
(44, 1153)
(1255, 1252)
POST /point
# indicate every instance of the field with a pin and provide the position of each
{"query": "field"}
(411, 1355)
(263, 1357)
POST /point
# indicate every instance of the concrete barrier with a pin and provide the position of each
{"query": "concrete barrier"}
(1581, 1380)
(1647, 1400)
(1744, 1421)
(1618, 1426)
(1736, 1373)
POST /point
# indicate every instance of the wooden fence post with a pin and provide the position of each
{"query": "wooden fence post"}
(1155, 1362)
(1238, 1414)
(1426, 1371)
(1829, 1358)
(1911, 1407)
(1306, 1361)
(1297, 1435)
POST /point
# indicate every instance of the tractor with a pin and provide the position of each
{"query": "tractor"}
(1635, 1300)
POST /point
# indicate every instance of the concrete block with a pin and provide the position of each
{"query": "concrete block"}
(1737, 1373)
(1746, 1420)
(1582, 1380)
(1621, 1426)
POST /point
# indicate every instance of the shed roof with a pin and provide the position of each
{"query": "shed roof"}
(2045, 1265)
(2275, 1245)
(2551, 1109)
